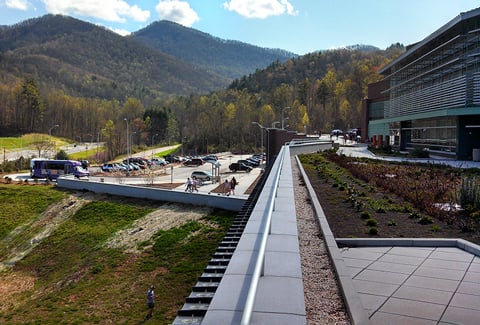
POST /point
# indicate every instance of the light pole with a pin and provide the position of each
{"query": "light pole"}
(128, 153)
(261, 130)
(54, 143)
(153, 137)
(53, 127)
(283, 119)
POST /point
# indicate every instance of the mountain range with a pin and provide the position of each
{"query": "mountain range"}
(83, 59)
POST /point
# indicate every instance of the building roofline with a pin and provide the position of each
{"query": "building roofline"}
(461, 17)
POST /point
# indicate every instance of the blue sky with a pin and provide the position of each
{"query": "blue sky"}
(299, 26)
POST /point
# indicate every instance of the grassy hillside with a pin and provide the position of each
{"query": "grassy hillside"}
(100, 258)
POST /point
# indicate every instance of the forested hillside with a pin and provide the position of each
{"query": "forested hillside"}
(86, 60)
(106, 88)
(231, 59)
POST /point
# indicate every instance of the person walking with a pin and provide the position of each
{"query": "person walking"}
(150, 302)
(226, 188)
(233, 184)
(188, 185)
(194, 184)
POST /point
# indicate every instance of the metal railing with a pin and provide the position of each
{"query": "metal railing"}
(252, 291)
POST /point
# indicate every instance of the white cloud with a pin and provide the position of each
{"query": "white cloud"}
(109, 10)
(260, 8)
(17, 4)
(177, 11)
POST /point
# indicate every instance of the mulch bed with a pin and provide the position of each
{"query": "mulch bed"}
(345, 220)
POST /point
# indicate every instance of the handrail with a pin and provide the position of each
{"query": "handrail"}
(252, 291)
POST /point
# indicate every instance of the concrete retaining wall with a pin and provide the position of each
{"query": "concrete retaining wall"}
(297, 148)
(199, 199)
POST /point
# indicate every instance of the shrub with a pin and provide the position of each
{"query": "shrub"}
(420, 153)
(380, 210)
(470, 193)
(365, 215)
(436, 228)
(392, 223)
(371, 222)
(414, 215)
(373, 231)
(425, 220)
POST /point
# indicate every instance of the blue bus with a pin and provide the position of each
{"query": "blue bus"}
(52, 169)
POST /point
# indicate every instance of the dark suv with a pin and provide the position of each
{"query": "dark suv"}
(194, 162)
(240, 166)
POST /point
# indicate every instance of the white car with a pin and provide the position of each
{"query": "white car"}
(202, 176)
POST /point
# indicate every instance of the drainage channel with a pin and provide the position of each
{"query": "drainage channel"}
(197, 303)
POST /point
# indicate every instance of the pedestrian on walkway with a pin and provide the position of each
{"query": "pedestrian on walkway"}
(188, 185)
(194, 184)
(150, 302)
(226, 188)
(233, 184)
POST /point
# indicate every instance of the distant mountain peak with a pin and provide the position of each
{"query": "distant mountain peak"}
(226, 57)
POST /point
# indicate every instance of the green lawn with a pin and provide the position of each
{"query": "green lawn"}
(75, 279)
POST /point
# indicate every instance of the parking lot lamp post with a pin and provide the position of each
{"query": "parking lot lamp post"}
(153, 137)
(261, 130)
(128, 151)
(54, 143)
(53, 127)
(283, 119)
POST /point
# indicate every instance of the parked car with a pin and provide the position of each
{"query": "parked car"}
(193, 162)
(171, 159)
(113, 167)
(336, 133)
(240, 166)
(247, 162)
(159, 162)
(202, 176)
(210, 159)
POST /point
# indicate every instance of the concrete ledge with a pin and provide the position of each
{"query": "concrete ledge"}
(411, 242)
(279, 297)
(201, 199)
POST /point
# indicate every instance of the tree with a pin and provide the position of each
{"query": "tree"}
(31, 107)
(62, 155)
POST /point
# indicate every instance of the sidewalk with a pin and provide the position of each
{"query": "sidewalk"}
(245, 180)
(360, 150)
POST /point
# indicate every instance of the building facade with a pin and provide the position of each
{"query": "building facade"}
(429, 96)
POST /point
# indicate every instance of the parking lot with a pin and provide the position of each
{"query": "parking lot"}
(176, 174)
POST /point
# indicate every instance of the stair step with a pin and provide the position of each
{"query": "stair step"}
(215, 268)
(206, 286)
(192, 320)
(193, 310)
(211, 277)
(200, 297)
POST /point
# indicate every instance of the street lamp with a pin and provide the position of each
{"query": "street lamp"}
(153, 137)
(54, 143)
(53, 127)
(128, 153)
(261, 129)
(283, 119)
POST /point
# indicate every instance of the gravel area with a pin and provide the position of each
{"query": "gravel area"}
(323, 300)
